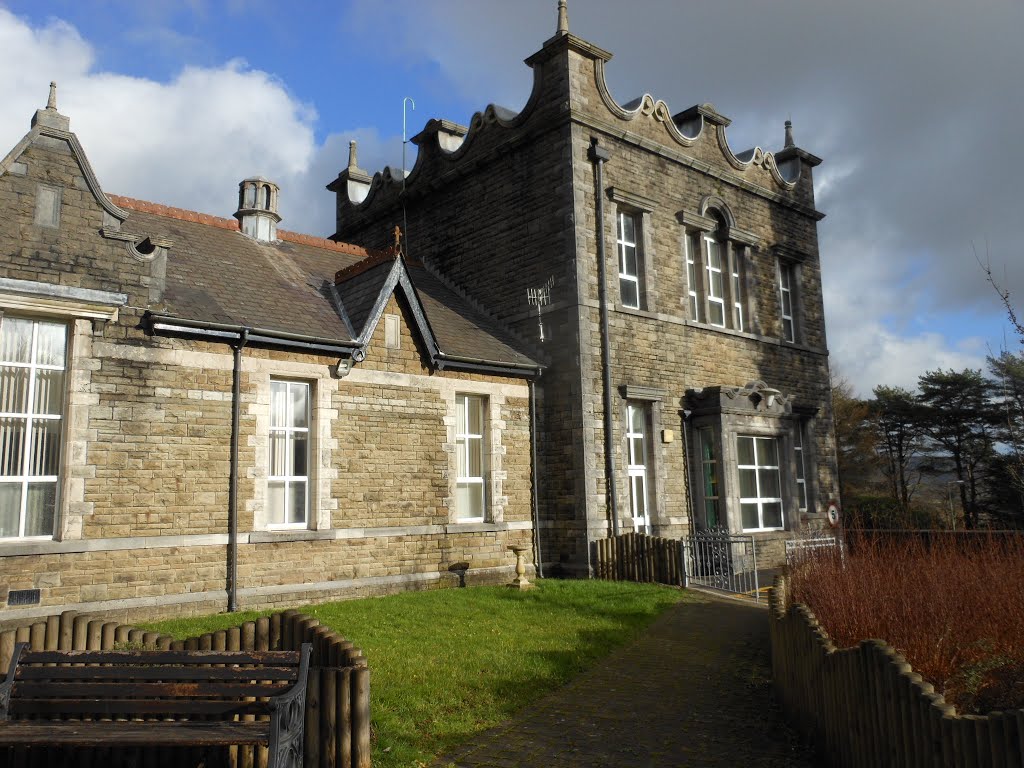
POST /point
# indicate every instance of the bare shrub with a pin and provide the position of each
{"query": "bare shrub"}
(953, 606)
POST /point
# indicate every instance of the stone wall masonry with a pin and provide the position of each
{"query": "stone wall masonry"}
(149, 423)
(516, 205)
(75, 254)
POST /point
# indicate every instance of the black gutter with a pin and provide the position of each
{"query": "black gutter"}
(455, 362)
(236, 397)
(534, 476)
(181, 325)
(599, 156)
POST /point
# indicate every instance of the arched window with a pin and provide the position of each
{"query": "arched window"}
(265, 198)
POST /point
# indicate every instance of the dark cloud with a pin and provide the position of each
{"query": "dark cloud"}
(915, 107)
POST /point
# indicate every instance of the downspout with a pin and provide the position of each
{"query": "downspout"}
(539, 559)
(598, 156)
(236, 395)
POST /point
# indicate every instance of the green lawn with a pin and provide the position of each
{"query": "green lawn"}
(448, 664)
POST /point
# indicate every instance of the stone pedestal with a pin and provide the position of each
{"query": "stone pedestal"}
(520, 582)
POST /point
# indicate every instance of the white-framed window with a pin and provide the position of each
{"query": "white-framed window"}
(801, 469)
(715, 281)
(627, 232)
(786, 283)
(470, 482)
(709, 477)
(33, 358)
(288, 476)
(760, 487)
(737, 290)
(692, 246)
(637, 431)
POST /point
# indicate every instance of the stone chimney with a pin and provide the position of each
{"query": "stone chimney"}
(257, 208)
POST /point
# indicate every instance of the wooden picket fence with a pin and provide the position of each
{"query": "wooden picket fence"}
(638, 557)
(337, 729)
(866, 706)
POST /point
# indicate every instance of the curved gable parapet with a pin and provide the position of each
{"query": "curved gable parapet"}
(688, 127)
(441, 140)
(40, 129)
(645, 106)
(755, 158)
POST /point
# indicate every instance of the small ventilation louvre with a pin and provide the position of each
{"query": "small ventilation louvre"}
(23, 597)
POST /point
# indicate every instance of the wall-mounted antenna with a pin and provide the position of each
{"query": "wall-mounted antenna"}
(540, 297)
(405, 140)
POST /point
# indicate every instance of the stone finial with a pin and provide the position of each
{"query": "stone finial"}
(789, 135)
(352, 161)
(50, 117)
(563, 18)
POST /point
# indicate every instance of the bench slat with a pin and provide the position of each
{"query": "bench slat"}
(53, 708)
(129, 734)
(188, 658)
(155, 673)
(55, 690)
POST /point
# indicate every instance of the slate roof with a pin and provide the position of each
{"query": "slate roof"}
(216, 274)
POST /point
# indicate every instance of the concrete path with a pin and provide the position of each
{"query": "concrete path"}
(694, 690)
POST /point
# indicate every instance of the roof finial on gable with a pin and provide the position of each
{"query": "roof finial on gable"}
(563, 18)
(352, 162)
(789, 135)
(50, 117)
(397, 249)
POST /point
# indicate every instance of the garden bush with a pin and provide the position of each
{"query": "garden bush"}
(953, 606)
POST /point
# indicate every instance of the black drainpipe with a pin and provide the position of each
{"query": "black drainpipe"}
(533, 480)
(236, 396)
(598, 156)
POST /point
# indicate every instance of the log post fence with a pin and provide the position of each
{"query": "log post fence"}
(338, 687)
(866, 706)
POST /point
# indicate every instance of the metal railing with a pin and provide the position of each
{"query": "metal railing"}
(720, 560)
(798, 548)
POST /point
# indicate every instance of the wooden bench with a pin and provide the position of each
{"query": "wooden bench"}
(161, 699)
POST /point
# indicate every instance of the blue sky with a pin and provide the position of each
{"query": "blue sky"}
(914, 106)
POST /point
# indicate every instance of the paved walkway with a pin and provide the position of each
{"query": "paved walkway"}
(695, 690)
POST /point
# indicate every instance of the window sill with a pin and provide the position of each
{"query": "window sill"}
(677, 320)
(475, 527)
(289, 534)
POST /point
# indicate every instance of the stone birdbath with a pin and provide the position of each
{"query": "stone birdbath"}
(520, 582)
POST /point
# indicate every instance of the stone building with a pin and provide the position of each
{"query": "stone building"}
(686, 382)
(201, 413)
(204, 412)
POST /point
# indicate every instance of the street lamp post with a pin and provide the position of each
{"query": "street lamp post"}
(949, 495)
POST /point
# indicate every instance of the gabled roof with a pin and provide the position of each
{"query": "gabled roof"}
(305, 287)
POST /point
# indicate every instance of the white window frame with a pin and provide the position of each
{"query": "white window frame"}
(24, 478)
(692, 244)
(760, 500)
(711, 242)
(466, 442)
(637, 464)
(787, 276)
(801, 468)
(289, 430)
(623, 244)
(736, 287)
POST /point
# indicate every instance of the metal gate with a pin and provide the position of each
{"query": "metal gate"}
(720, 560)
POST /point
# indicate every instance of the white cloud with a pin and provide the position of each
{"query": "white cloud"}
(186, 142)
